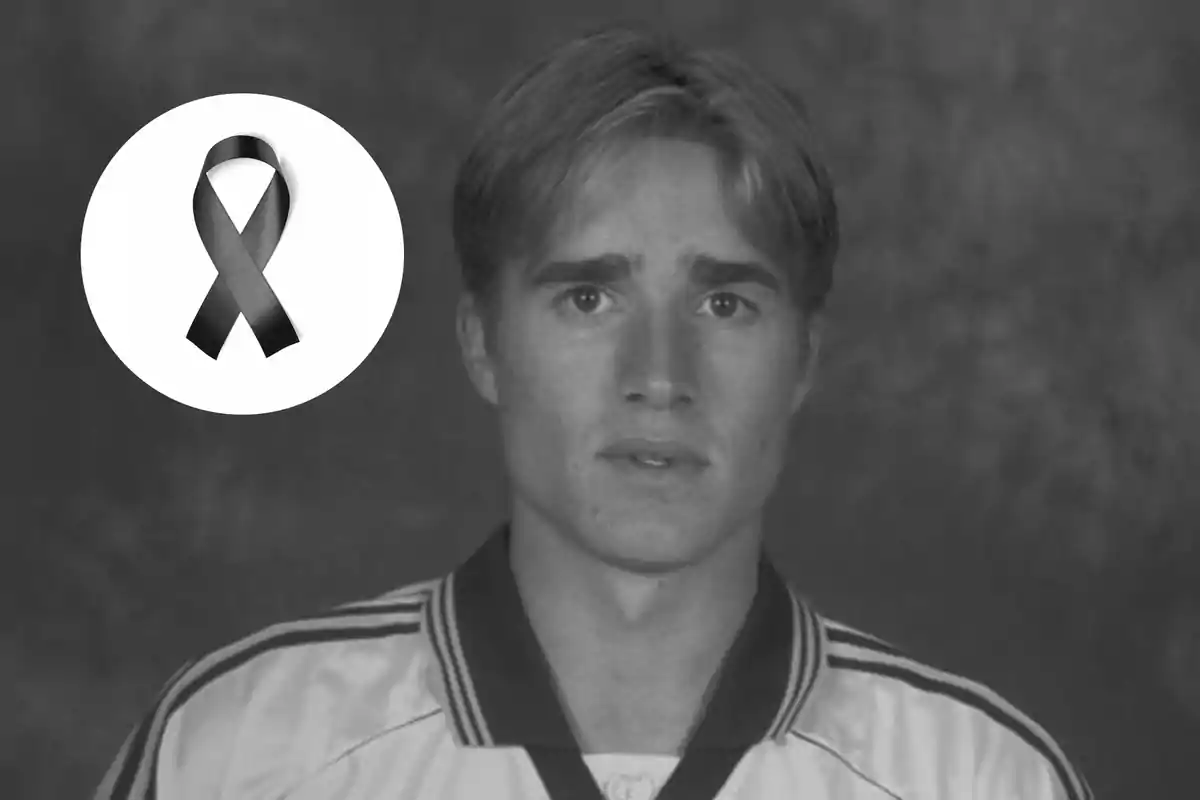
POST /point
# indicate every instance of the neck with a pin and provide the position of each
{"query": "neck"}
(634, 655)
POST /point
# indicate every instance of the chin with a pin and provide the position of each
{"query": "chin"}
(649, 544)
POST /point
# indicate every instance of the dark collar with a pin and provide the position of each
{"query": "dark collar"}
(500, 691)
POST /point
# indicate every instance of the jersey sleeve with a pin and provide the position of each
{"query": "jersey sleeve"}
(1034, 768)
(183, 748)
(108, 784)
(202, 740)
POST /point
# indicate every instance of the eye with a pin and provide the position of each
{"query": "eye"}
(725, 305)
(585, 299)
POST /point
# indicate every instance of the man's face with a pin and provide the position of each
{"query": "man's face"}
(646, 369)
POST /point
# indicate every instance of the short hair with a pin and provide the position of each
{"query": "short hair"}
(543, 131)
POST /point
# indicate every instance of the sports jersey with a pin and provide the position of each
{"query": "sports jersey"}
(440, 690)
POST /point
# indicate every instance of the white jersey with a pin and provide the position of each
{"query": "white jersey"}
(439, 691)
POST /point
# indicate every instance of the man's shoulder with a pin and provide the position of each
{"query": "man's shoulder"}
(288, 695)
(382, 627)
(878, 705)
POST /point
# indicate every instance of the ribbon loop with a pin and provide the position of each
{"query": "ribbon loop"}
(241, 258)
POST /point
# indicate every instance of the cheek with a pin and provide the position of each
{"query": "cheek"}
(550, 391)
(758, 410)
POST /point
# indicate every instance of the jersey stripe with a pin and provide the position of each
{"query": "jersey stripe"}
(397, 607)
(880, 660)
(814, 657)
(843, 634)
(136, 743)
(474, 710)
(413, 591)
(138, 769)
(439, 637)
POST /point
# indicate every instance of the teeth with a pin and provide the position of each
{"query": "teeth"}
(652, 462)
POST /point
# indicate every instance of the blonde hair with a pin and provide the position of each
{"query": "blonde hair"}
(545, 129)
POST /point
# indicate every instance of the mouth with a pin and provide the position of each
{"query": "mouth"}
(654, 456)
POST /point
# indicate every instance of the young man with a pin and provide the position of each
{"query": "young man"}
(647, 239)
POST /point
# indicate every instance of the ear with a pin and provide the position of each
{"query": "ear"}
(813, 329)
(472, 327)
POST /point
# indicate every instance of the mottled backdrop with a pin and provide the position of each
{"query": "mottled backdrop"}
(998, 470)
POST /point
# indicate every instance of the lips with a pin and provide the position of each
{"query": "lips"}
(660, 454)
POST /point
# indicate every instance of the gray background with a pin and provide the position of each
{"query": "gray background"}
(995, 472)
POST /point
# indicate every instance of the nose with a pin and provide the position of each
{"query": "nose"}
(658, 360)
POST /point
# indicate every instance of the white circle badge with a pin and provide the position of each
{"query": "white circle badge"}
(242, 254)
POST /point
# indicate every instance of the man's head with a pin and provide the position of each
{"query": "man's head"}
(647, 240)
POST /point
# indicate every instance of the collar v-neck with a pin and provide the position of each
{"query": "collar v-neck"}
(500, 689)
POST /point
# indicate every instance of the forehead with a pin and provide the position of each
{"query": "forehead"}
(651, 191)
(661, 163)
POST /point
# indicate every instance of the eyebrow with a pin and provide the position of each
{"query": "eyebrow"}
(607, 268)
(706, 271)
(712, 272)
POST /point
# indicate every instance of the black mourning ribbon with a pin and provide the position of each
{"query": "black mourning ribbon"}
(240, 258)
